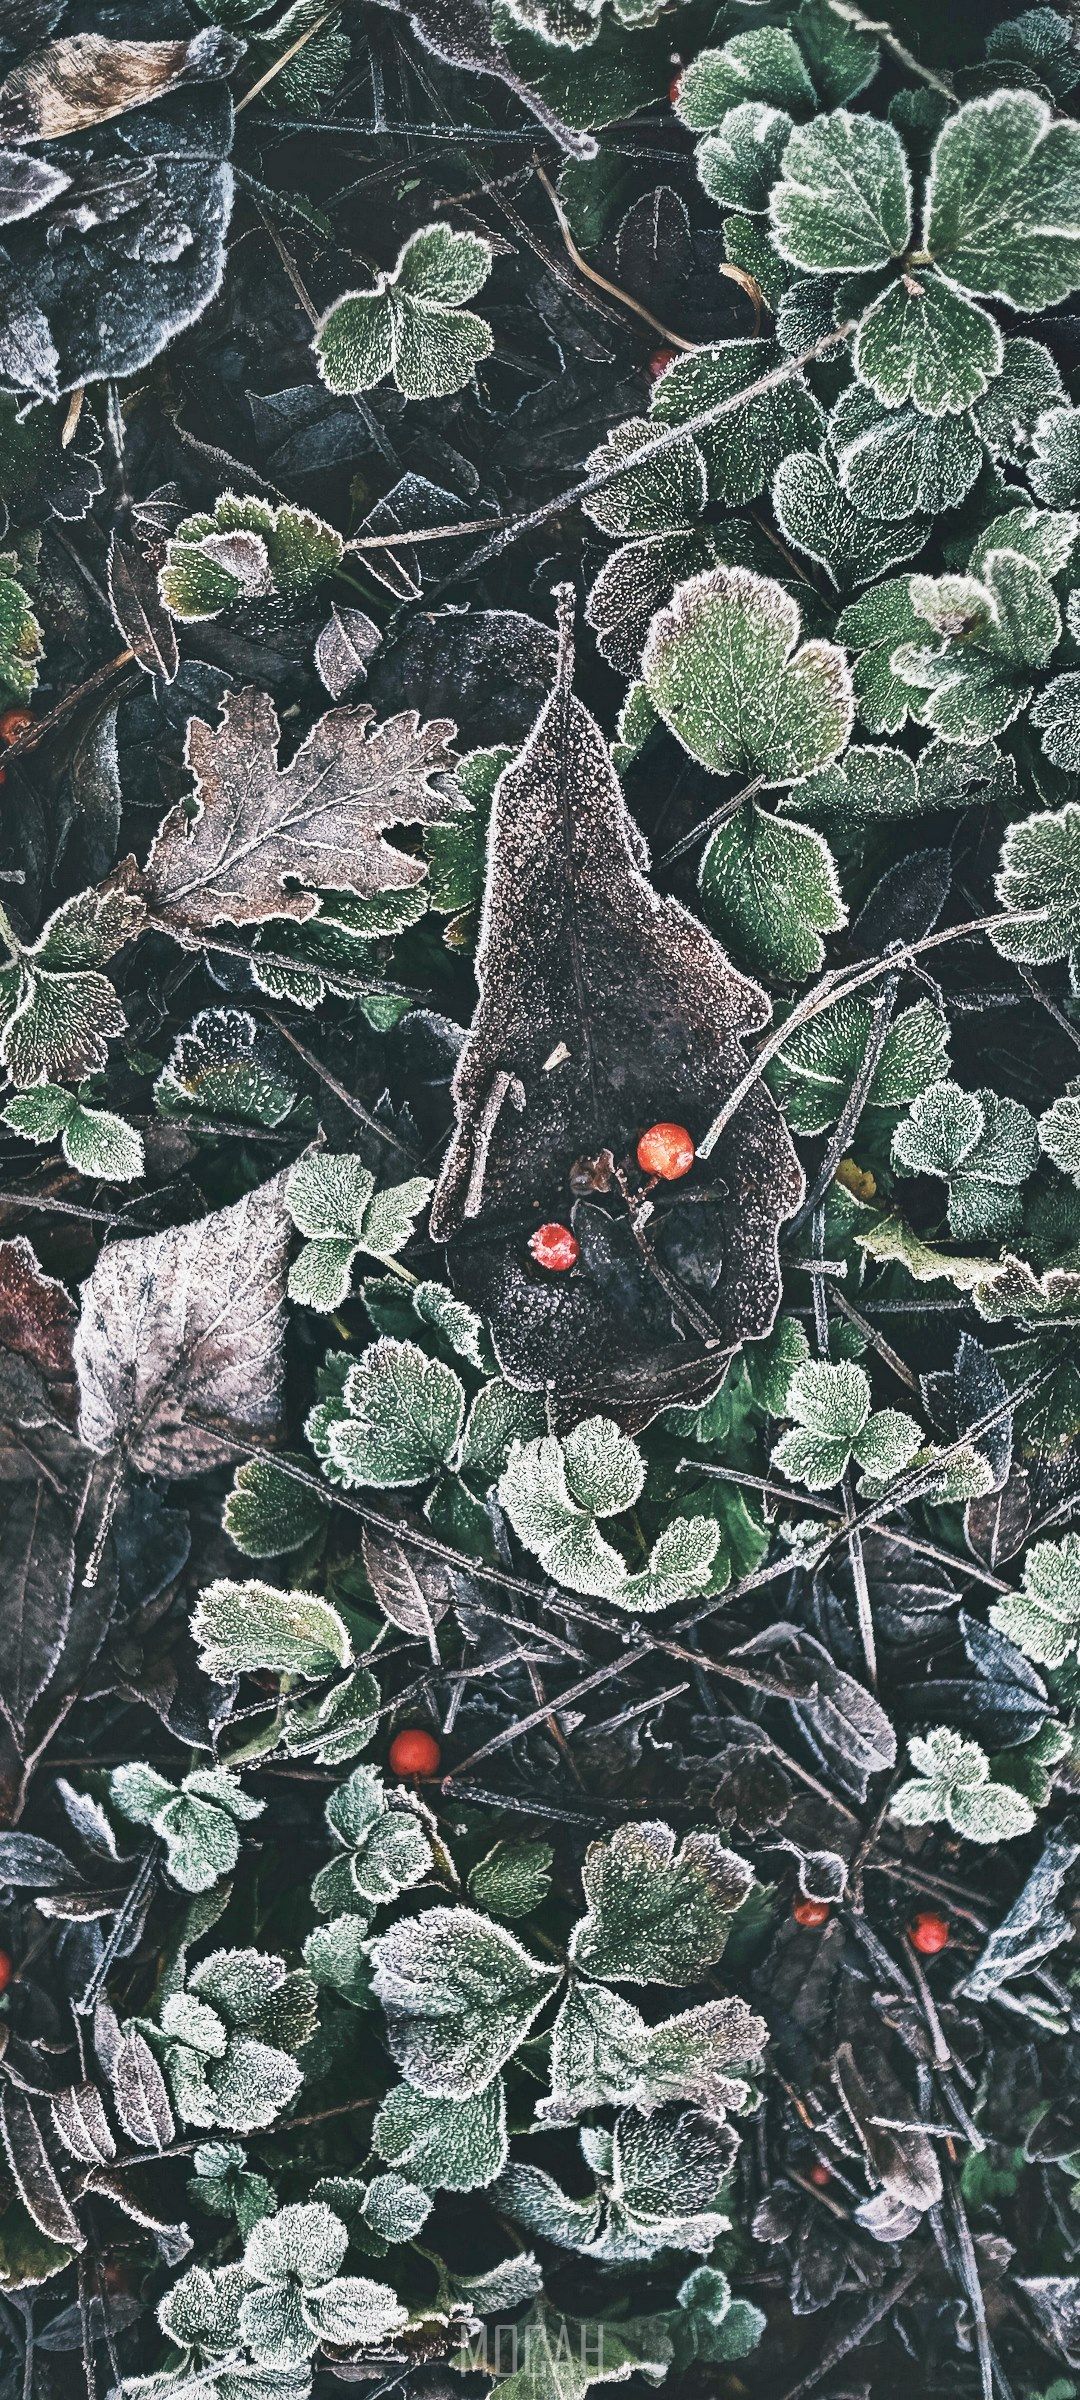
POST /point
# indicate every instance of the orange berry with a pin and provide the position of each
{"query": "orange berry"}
(659, 360)
(811, 1912)
(6, 1970)
(667, 1151)
(555, 1247)
(13, 722)
(819, 2174)
(928, 1932)
(414, 1752)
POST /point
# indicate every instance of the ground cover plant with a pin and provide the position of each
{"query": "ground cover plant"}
(540, 1199)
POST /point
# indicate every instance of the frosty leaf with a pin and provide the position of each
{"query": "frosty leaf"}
(197, 1823)
(382, 1846)
(226, 1065)
(650, 1014)
(661, 496)
(333, 1201)
(744, 448)
(321, 820)
(1059, 1133)
(401, 1418)
(661, 2185)
(722, 666)
(1054, 471)
(895, 462)
(993, 633)
(814, 512)
(269, 1512)
(554, 1492)
(58, 1012)
(296, 2297)
(411, 324)
(762, 65)
(253, 1628)
(875, 626)
(186, 1325)
(1040, 871)
(333, 1728)
(844, 200)
(982, 1144)
(709, 2325)
(1056, 711)
(513, 1878)
(245, 550)
(21, 644)
(447, 2145)
(654, 1913)
(924, 342)
(834, 1424)
(93, 1140)
(740, 162)
(1044, 1619)
(771, 890)
(816, 1069)
(1003, 202)
(865, 783)
(563, 2359)
(460, 1994)
(952, 1783)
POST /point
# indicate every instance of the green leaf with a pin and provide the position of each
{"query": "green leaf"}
(739, 163)
(723, 668)
(1029, 384)
(925, 343)
(876, 626)
(562, 2359)
(333, 1201)
(1054, 471)
(57, 1013)
(460, 1994)
(770, 889)
(554, 1490)
(762, 65)
(664, 495)
(400, 1420)
(21, 644)
(656, 1913)
(226, 1065)
(952, 1784)
(1056, 712)
(514, 1878)
(864, 784)
(446, 2145)
(381, 1844)
(245, 550)
(814, 512)
(982, 1144)
(268, 1512)
(842, 58)
(410, 324)
(816, 1069)
(92, 1140)
(844, 199)
(895, 462)
(993, 634)
(197, 1823)
(1036, 47)
(248, 1628)
(1003, 202)
(1059, 1132)
(1040, 870)
(1044, 1619)
(709, 2325)
(744, 448)
(833, 1425)
(333, 1728)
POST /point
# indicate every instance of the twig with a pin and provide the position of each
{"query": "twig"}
(847, 2342)
(851, 15)
(287, 55)
(340, 1091)
(612, 289)
(881, 1016)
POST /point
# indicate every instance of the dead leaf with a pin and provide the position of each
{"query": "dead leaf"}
(319, 820)
(84, 79)
(181, 1325)
(603, 1009)
(899, 2155)
(37, 1539)
(37, 1314)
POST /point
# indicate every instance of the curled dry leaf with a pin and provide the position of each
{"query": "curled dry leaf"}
(84, 79)
(603, 1008)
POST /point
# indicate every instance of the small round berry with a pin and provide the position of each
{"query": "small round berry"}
(667, 1151)
(414, 1752)
(657, 363)
(675, 87)
(811, 1912)
(6, 1969)
(928, 1932)
(819, 2174)
(13, 722)
(555, 1247)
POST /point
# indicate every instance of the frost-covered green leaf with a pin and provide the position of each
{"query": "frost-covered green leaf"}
(843, 203)
(93, 1140)
(740, 162)
(198, 1822)
(764, 64)
(875, 627)
(58, 1013)
(771, 890)
(867, 782)
(333, 1201)
(411, 324)
(245, 550)
(895, 462)
(297, 2297)
(446, 2145)
(1003, 200)
(815, 1070)
(723, 667)
(655, 1912)
(834, 1424)
(743, 449)
(708, 2325)
(952, 1784)
(247, 1628)
(270, 1512)
(927, 343)
(982, 1144)
(1040, 873)
(21, 644)
(1056, 712)
(382, 1848)
(1054, 468)
(460, 1994)
(399, 1419)
(1059, 1132)
(992, 633)
(555, 1490)
(663, 495)
(815, 513)
(228, 2037)
(513, 1878)
(226, 1066)
(1036, 44)
(224, 2185)
(1044, 1618)
(335, 1726)
(660, 2184)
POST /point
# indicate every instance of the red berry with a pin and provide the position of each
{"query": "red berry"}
(659, 360)
(928, 1932)
(414, 1752)
(667, 1151)
(811, 1912)
(6, 1970)
(819, 2174)
(555, 1247)
(674, 88)
(13, 722)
